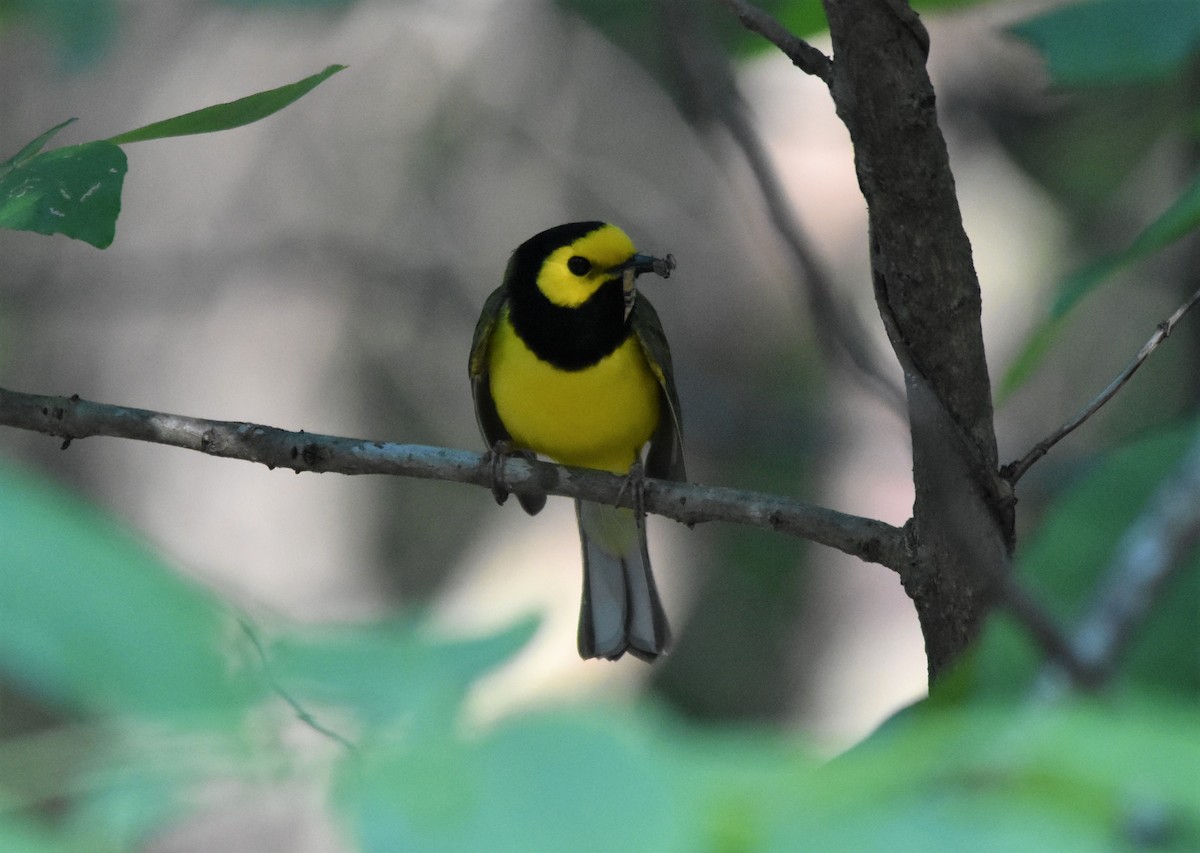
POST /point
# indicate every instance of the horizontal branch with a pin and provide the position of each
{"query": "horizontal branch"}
(74, 418)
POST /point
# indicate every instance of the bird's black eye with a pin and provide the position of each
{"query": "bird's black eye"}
(579, 265)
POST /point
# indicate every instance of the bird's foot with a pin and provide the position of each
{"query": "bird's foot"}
(496, 456)
(635, 481)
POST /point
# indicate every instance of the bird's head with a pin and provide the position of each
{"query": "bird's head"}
(575, 260)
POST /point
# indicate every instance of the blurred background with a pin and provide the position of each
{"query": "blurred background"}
(323, 270)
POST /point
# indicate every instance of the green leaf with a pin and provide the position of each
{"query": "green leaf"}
(92, 620)
(229, 115)
(389, 670)
(1067, 777)
(75, 191)
(1086, 777)
(529, 765)
(565, 781)
(1086, 147)
(1179, 220)
(18, 836)
(1062, 562)
(80, 30)
(32, 148)
(1109, 42)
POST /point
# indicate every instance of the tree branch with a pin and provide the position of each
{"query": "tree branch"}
(1153, 549)
(1013, 471)
(1045, 630)
(928, 296)
(837, 326)
(803, 55)
(705, 75)
(74, 418)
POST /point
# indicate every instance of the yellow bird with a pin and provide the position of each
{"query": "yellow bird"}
(570, 362)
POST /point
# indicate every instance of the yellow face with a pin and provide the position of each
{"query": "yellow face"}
(571, 274)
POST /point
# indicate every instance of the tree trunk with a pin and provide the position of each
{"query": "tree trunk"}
(928, 296)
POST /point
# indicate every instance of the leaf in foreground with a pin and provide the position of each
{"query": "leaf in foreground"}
(92, 620)
(1114, 42)
(229, 115)
(74, 191)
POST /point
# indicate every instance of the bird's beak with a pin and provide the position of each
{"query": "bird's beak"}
(635, 266)
(639, 264)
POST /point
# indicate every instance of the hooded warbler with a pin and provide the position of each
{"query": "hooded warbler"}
(570, 362)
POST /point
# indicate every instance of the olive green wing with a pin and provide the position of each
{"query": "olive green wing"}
(486, 416)
(490, 425)
(665, 458)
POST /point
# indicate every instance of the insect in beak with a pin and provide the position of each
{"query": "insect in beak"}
(635, 266)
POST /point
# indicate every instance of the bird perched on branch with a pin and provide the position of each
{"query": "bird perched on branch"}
(570, 362)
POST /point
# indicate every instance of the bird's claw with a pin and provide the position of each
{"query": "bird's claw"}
(635, 480)
(496, 456)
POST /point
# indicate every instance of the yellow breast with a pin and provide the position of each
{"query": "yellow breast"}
(598, 417)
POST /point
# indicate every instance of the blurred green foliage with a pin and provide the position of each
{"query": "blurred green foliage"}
(642, 29)
(162, 682)
(426, 681)
(1143, 40)
(1062, 561)
(652, 34)
(90, 618)
(162, 688)
(298, 5)
(83, 31)
(1131, 66)
(1176, 222)
(80, 30)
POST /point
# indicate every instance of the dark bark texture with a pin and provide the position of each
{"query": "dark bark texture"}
(928, 296)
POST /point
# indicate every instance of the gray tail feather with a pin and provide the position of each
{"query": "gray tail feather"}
(621, 611)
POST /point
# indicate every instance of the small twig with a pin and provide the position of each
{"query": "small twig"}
(74, 418)
(837, 327)
(1151, 551)
(803, 55)
(302, 714)
(1015, 470)
(706, 74)
(1061, 653)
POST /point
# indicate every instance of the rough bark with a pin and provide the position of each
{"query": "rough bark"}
(928, 295)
